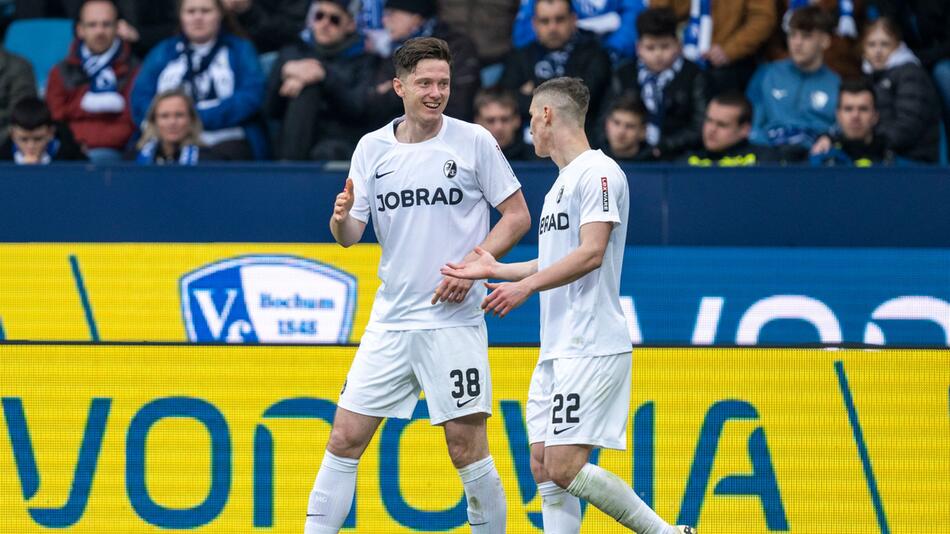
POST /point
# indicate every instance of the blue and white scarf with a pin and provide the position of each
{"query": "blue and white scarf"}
(98, 67)
(45, 159)
(846, 25)
(652, 85)
(188, 154)
(197, 80)
(553, 63)
(697, 38)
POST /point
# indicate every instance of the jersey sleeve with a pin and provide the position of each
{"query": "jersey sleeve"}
(493, 172)
(599, 193)
(361, 205)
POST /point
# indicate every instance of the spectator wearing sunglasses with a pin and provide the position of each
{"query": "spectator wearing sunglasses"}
(316, 86)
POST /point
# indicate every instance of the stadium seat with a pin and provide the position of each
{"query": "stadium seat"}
(43, 42)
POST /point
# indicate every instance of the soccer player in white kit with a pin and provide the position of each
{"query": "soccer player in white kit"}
(579, 396)
(427, 181)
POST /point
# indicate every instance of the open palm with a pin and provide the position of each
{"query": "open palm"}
(480, 268)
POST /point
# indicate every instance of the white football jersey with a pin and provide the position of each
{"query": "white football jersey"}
(429, 203)
(584, 318)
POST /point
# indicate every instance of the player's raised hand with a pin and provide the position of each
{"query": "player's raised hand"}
(505, 297)
(483, 266)
(344, 202)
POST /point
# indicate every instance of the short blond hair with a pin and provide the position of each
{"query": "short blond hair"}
(568, 95)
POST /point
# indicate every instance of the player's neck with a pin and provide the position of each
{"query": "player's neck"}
(566, 149)
(410, 131)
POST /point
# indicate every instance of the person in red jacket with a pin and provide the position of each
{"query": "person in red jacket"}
(89, 90)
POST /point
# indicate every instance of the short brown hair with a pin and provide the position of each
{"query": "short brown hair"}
(574, 96)
(495, 95)
(812, 18)
(417, 49)
(736, 99)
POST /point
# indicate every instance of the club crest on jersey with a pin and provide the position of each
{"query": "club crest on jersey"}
(269, 299)
(559, 194)
(450, 169)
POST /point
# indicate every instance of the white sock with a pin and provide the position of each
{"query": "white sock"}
(332, 495)
(487, 508)
(560, 510)
(615, 498)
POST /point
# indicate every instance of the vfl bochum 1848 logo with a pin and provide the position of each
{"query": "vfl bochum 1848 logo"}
(268, 299)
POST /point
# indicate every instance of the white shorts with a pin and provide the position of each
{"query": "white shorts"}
(580, 401)
(391, 368)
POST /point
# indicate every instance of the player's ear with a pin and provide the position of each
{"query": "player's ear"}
(397, 86)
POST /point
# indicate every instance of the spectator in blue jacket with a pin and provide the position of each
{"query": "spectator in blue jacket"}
(219, 70)
(795, 99)
(171, 134)
(615, 21)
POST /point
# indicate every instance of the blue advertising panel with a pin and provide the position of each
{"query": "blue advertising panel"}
(747, 296)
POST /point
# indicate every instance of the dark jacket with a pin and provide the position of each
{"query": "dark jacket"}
(466, 80)
(16, 82)
(330, 109)
(68, 150)
(850, 153)
(742, 154)
(155, 20)
(588, 61)
(926, 26)
(68, 84)
(518, 150)
(907, 103)
(684, 106)
(487, 22)
(272, 24)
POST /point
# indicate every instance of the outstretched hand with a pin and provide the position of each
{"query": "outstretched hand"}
(481, 268)
(344, 202)
(504, 297)
(451, 289)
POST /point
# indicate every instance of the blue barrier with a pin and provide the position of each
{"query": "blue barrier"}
(781, 206)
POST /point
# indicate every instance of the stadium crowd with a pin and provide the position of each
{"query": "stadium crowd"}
(704, 83)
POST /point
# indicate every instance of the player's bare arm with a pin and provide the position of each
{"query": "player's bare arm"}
(515, 221)
(345, 229)
(485, 266)
(588, 256)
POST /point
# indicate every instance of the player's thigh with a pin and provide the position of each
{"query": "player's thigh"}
(590, 401)
(466, 438)
(381, 382)
(454, 373)
(538, 408)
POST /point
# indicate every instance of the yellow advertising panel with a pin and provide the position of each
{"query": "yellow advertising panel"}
(203, 292)
(157, 438)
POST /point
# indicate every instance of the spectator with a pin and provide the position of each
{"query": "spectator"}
(614, 22)
(724, 36)
(314, 89)
(672, 88)
(16, 82)
(218, 70)
(726, 135)
(560, 50)
(89, 90)
(926, 29)
(488, 23)
(906, 99)
(271, 24)
(844, 53)
(35, 139)
(625, 130)
(853, 143)
(795, 98)
(172, 132)
(403, 20)
(497, 110)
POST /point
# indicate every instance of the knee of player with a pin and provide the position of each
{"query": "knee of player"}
(463, 452)
(537, 469)
(560, 473)
(344, 445)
